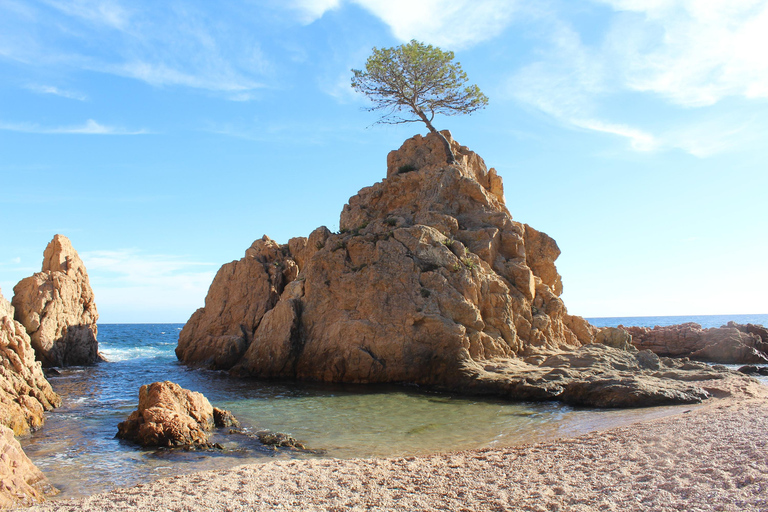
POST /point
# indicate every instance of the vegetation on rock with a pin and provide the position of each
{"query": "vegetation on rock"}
(419, 80)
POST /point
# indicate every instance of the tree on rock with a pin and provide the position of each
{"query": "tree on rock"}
(420, 81)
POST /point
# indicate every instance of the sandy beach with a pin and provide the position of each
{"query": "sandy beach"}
(711, 457)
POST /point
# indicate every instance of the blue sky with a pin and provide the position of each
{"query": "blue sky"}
(164, 137)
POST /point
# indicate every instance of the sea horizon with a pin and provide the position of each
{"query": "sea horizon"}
(706, 321)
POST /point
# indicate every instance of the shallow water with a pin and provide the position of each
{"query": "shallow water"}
(78, 451)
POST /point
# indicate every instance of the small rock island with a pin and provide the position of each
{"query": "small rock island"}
(429, 282)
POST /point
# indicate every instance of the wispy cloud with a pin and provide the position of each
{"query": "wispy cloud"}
(683, 55)
(454, 24)
(161, 44)
(55, 91)
(692, 53)
(99, 12)
(132, 282)
(90, 127)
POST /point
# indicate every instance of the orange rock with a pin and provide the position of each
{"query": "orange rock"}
(728, 344)
(24, 392)
(23, 484)
(57, 308)
(169, 415)
(429, 281)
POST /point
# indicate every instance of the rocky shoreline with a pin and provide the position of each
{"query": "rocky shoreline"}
(708, 458)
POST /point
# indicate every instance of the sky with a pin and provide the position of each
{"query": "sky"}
(163, 138)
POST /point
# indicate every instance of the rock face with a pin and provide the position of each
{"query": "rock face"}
(24, 395)
(24, 392)
(428, 281)
(732, 343)
(23, 484)
(169, 415)
(57, 308)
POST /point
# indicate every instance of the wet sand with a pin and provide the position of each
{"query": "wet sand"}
(711, 457)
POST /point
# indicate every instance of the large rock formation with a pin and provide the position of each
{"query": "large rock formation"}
(24, 392)
(57, 308)
(732, 343)
(22, 483)
(429, 281)
(169, 415)
(24, 395)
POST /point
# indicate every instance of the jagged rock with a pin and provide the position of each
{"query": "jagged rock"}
(23, 484)
(24, 395)
(57, 308)
(223, 418)
(428, 280)
(24, 392)
(728, 344)
(616, 338)
(169, 415)
(242, 292)
(279, 440)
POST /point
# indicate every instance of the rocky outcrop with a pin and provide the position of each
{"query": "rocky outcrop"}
(23, 484)
(169, 415)
(57, 308)
(24, 392)
(732, 343)
(24, 396)
(429, 281)
(597, 375)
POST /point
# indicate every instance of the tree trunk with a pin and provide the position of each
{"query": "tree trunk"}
(450, 157)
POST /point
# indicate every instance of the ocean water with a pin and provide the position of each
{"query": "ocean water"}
(78, 451)
(706, 321)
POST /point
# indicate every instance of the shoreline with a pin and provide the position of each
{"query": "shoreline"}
(707, 457)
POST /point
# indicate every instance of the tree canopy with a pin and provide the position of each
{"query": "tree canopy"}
(413, 82)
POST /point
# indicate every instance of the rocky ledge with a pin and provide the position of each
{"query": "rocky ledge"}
(732, 343)
(431, 282)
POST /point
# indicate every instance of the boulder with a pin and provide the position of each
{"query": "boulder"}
(428, 281)
(24, 391)
(730, 344)
(23, 484)
(615, 337)
(56, 306)
(169, 416)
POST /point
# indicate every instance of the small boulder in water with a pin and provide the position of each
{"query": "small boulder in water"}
(169, 415)
(223, 418)
(751, 369)
(279, 440)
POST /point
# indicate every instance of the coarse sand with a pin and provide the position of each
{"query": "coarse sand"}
(713, 457)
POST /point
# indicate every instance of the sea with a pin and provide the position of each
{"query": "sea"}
(79, 453)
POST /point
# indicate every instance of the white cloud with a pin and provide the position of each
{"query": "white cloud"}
(692, 52)
(90, 127)
(454, 24)
(450, 23)
(129, 283)
(311, 10)
(162, 44)
(684, 55)
(100, 12)
(49, 89)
